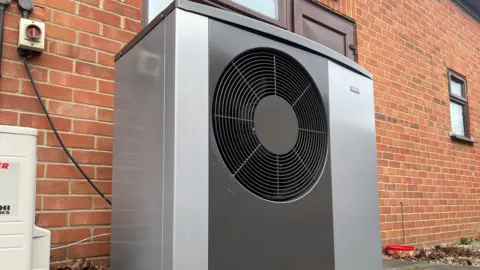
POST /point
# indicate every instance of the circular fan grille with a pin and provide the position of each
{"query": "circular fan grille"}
(270, 125)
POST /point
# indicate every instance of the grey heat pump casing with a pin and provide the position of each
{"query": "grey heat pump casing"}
(176, 205)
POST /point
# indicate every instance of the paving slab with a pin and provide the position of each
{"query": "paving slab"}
(402, 265)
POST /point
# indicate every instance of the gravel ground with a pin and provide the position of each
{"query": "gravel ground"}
(389, 264)
(461, 255)
(467, 255)
(79, 265)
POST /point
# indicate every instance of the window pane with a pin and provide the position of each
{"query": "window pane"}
(268, 8)
(456, 87)
(155, 7)
(456, 115)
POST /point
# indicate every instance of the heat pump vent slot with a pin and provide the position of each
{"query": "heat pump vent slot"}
(270, 125)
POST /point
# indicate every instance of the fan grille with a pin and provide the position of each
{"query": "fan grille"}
(250, 78)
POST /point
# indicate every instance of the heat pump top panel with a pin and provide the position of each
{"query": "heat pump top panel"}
(252, 25)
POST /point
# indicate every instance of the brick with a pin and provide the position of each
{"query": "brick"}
(87, 127)
(104, 144)
(38, 202)
(71, 109)
(18, 70)
(8, 118)
(41, 138)
(72, 51)
(52, 219)
(47, 91)
(8, 84)
(135, 3)
(100, 203)
(10, 52)
(40, 122)
(94, 71)
(41, 13)
(93, 98)
(11, 20)
(90, 2)
(58, 255)
(68, 171)
(104, 173)
(65, 5)
(76, 22)
(59, 32)
(99, 43)
(132, 25)
(53, 61)
(99, 15)
(71, 140)
(92, 157)
(72, 80)
(100, 231)
(105, 115)
(125, 10)
(66, 203)
(106, 87)
(90, 218)
(83, 187)
(106, 59)
(117, 34)
(19, 103)
(40, 170)
(51, 155)
(52, 187)
(61, 236)
(10, 36)
(89, 250)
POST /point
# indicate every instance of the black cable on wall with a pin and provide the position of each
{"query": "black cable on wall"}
(26, 7)
(62, 144)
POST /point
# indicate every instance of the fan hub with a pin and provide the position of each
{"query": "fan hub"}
(276, 124)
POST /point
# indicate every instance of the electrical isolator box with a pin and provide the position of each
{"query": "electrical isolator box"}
(31, 35)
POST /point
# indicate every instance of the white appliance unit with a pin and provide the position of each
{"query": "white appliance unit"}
(239, 145)
(23, 246)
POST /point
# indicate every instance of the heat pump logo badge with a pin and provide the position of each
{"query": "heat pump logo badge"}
(9, 187)
(4, 210)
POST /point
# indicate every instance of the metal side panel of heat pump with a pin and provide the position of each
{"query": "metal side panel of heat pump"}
(160, 167)
(356, 216)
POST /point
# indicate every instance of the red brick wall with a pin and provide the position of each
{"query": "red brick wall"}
(408, 45)
(75, 76)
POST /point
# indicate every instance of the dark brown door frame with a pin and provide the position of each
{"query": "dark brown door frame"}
(328, 19)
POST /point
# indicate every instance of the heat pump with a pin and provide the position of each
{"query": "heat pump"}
(23, 246)
(239, 145)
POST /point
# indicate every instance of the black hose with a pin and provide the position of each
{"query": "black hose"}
(58, 135)
(2, 16)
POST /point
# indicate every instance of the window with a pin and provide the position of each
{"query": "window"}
(458, 106)
(307, 18)
(272, 11)
(151, 8)
(267, 8)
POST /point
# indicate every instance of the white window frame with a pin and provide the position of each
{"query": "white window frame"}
(461, 100)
